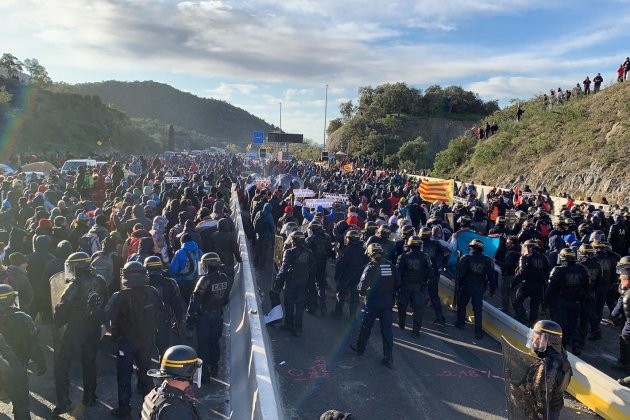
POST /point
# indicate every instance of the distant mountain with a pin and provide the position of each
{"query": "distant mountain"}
(221, 122)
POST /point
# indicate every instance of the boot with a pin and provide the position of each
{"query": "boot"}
(388, 362)
(401, 321)
(624, 356)
(624, 381)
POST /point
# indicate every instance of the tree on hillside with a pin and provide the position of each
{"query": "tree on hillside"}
(334, 125)
(347, 110)
(39, 74)
(5, 99)
(412, 155)
(11, 64)
(171, 138)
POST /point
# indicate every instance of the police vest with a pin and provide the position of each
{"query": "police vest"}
(154, 401)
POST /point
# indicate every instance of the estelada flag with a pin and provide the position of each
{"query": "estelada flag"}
(437, 190)
(347, 167)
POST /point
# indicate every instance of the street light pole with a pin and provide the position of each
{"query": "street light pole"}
(325, 116)
(280, 117)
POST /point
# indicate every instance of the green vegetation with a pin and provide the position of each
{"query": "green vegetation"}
(40, 121)
(209, 122)
(388, 116)
(579, 147)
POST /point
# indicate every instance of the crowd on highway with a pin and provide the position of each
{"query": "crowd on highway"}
(147, 248)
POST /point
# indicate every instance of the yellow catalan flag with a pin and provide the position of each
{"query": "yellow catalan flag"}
(437, 190)
(347, 167)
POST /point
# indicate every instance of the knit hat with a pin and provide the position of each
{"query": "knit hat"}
(288, 210)
(44, 224)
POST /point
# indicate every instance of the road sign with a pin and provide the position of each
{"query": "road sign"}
(258, 137)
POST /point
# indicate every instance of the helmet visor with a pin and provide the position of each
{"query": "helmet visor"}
(203, 268)
(70, 271)
(537, 341)
(197, 374)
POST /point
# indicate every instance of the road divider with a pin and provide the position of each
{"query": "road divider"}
(253, 385)
(590, 386)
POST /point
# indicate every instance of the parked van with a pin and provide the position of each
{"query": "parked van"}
(73, 165)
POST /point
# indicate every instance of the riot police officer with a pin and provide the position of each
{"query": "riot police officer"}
(298, 266)
(80, 310)
(565, 294)
(382, 238)
(171, 300)
(320, 245)
(436, 250)
(19, 345)
(369, 230)
(588, 259)
(406, 232)
(545, 338)
(415, 271)
(378, 285)
(608, 293)
(348, 273)
(205, 311)
(622, 309)
(618, 235)
(133, 313)
(531, 277)
(171, 400)
(474, 273)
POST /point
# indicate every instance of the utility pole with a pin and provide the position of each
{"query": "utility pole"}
(280, 117)
(325, 116)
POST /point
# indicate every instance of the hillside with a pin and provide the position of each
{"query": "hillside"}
(43, 122)
(221, 122)
(579, 148)
(403, 126)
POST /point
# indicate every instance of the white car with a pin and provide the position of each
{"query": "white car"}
(74, 164)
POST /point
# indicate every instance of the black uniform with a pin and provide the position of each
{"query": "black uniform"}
(531, 277)
(436, 253)
(618, 237)
(19, 335)
(589, 308)
(378, 284)
(565, 294)
(134, 313)
(474, 273)
(389, 247)
(168, 403)
(622, 309)
(298, 266)
(205, 311)
(415, 271)
(173, 308)
(558, 374)
(609, 293)
(347, 275)
(320, 245)
(82, 315)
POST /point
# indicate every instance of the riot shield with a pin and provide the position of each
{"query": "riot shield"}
(58, 285)
(278, 251)
(525, 384)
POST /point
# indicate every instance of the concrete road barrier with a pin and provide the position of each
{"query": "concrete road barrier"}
(253, 385)
(593, 388)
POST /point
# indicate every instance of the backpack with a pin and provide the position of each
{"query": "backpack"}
(191, 266)
(544, 229)
(89, 243)
(142, 315)
(134, 245)
(103, 265)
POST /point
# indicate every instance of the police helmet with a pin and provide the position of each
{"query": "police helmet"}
(425, 232)
(370, 226)
(352, 236)
(531, 243)
(566, 214)
(601, 246)
(209, 261)
(618, 218)
(567, 255)
(586, 251)
(374, 249)
(623, 266)
(569, 222)
(545, 334)
(561, 222)
(464, 220)
(414, 242)
(179, 362)
(153, 264)
(297, 237)
(133, 274)
(75, 263)
(520, 214)
(583, 229)
(315, 224)
(384, 230)
(476, 244)
(597, 235)
(7, 297)
(406, 231)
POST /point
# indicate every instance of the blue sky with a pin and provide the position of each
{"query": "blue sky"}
(257, 53)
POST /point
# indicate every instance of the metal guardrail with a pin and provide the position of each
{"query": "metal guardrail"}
(253, 386)
(590, 386)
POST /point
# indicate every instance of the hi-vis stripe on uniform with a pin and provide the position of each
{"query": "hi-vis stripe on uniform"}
(386, 270)
(437, 190)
